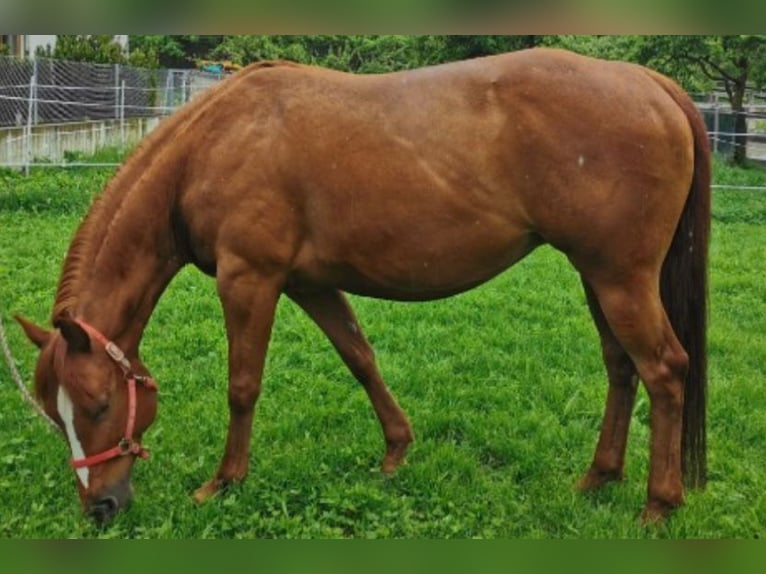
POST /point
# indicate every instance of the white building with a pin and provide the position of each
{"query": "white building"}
(26, 45)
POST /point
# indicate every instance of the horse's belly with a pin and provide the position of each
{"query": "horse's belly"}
(419, 265)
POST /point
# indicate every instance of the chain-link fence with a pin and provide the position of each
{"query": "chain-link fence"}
(49, 107)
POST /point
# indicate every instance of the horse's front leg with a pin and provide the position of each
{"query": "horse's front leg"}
(249, 301)
(331, 311)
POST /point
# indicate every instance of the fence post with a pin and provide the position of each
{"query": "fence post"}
(716, 122)
(169, 92)
(122, 114)
(184, 86)
(36, 97)
(28, 129)
(116, 91)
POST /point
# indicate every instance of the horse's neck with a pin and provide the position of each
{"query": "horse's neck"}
(130, 261)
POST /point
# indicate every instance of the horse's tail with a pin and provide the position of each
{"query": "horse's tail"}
(684, 291)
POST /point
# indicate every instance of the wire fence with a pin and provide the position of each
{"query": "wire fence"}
(51, 108)
(56, 91)
(53, 112)
(721, 121)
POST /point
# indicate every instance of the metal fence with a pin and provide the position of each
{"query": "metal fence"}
(720, 119)
(49, 107)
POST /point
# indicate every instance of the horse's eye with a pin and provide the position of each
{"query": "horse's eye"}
(99, 411)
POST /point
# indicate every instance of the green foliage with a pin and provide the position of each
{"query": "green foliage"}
(702, 61)
(504, 386)
(699, 63)
(356, 53)
(167, 48)
(100, 49)
(696, 61)
(605, 47)
(140, 58)
(176, 51)
(463, 47)
(350, 53)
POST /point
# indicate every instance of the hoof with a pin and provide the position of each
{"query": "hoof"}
(595, 479)
(394, 456)
(209, 490)
(655, 513)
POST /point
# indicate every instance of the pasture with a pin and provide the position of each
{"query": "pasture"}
(504, 386)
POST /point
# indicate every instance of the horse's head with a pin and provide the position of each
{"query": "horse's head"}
(102, 402)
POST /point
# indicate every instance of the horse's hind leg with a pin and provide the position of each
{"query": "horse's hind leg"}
(634, 312)
(609, 458)
(331, 312)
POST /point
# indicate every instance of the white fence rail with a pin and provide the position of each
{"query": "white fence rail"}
(57, 144)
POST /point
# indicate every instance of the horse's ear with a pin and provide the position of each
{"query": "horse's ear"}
(77, 339)
(36, 334)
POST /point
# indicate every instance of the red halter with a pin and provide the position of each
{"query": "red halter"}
(126, 445)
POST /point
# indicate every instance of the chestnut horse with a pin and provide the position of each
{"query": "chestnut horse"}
(412, 186)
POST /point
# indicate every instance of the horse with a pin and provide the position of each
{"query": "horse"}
(410, 186)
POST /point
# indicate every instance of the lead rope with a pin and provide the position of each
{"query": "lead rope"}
(19, 382)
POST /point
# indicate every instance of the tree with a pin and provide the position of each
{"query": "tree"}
(99, 49)
(624, 48)
(355, 53)
(463, 47)
(368, 54)
(737, 63)
(176, 51)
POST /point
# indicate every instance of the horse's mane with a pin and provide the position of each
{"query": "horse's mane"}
(67, 287)
(94, 225)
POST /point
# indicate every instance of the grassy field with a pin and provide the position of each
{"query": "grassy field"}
(504, 386)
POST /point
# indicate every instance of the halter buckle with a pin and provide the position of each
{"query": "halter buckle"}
(117, 355)
(126, 446)
(115, 352)
(146, 382)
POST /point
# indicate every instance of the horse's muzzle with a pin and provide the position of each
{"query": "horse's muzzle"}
(106, 506)
(104, 510)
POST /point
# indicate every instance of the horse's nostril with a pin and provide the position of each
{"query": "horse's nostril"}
(105, 509)
(109, 503)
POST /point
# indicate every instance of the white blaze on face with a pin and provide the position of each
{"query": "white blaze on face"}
(66, 412)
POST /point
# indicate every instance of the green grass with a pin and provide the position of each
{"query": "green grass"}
(504, 387)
